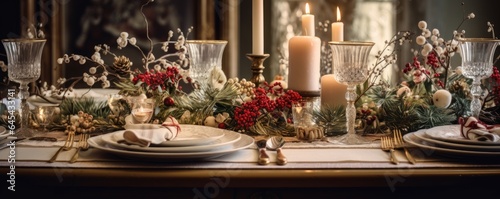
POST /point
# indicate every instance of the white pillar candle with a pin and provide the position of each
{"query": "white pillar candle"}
(338, 28)
(257, 27)
(332, 92)
(304, 58)
(308, 26)
(304, 63)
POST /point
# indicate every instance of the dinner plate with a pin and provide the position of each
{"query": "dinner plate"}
(451, 133)
(244, 142)
(115, 140)
(421, 135)
(430, 148)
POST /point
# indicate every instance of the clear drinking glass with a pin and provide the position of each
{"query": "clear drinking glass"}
(350, 68)
(477, 64)
(24, 57)
(204, 55)
(302, 113)
(142, 110)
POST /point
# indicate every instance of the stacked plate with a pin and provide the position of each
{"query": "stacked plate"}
(448, 140)
(193, 142)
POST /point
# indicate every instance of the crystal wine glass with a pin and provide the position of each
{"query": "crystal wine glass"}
(24, 57)
(204, 55)
(350, 68)
(477, 64)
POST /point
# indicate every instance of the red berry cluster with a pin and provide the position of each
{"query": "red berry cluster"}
(434, 63)
(433, 60)
(495, 82)
(263, 102)
(415, 65)
(154, 79)
(366, 115)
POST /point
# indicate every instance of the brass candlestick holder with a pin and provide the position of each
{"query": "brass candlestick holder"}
(257, 68)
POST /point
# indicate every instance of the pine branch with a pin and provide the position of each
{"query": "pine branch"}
(87, 105)
(333, 118)
(431, 117)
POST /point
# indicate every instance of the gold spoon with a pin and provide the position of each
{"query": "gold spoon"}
(263, 157)
(275, 143)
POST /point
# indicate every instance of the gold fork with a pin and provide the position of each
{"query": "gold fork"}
(387, 145)
(82, 145)
(67, 145)
(399, 143)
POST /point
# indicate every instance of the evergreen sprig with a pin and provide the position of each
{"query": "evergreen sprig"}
(333, 118)
(398, 114)
(201, 103)
(432, 116)
(70, 106)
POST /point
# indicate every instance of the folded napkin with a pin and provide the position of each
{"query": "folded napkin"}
(147, 136)
(474, 129)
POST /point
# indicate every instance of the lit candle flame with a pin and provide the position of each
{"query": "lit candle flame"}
(338, 13)
(307, 8)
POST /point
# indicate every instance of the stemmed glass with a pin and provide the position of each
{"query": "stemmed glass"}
(350, 68)
(24, 57)
(204, 55)
(477, 64)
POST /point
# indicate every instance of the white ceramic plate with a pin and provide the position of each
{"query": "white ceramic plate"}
(244, 142)
(421, 135)
(114, 140)
(430, 148)
(451, 133)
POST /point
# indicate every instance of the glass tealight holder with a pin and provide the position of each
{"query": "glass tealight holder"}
(43, 116)
(304, 123)
(142, 110)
